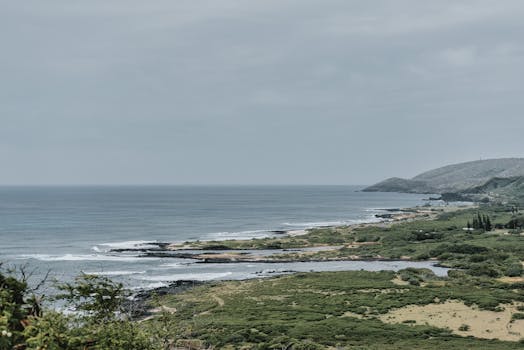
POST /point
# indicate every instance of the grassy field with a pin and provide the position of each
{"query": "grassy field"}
(338, 310)
(479, 306)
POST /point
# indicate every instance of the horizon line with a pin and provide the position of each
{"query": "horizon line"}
(178, 185)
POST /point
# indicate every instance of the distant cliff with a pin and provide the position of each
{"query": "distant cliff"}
(396, 184)
(458, 178)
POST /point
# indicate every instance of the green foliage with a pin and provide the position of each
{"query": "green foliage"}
(121, 335)
(464, 328)
(310, 308)
(416, 276)
(481, 222)
(100, 324)
(98, 296)
(517, 316)
(16, 306)
(302, 311)
(515, 269)
(52, 331)
(515, 223)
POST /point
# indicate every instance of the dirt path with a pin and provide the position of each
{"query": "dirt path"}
(218, 299)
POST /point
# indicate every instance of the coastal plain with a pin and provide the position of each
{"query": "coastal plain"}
(479, 305)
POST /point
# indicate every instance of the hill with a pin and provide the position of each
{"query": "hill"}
(498, 188)
(455, 178)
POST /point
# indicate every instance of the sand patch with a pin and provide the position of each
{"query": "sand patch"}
(159, 310)
(163, 308)
(295, 233)
(384, 290)
(352, 314)
(511, 279)
(399, 281)
(454, 315)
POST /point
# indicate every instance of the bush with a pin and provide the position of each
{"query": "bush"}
(98, 296)
(514, 270)
(23, 325)
(515, 223)
(484, 269)
(464, 328)
(17, 305)
(517, 316)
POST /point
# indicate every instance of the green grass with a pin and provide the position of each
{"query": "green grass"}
(479, 253)
(307, 309)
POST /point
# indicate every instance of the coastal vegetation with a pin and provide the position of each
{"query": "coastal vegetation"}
(345, 310)
(491, 247)
(97, 323)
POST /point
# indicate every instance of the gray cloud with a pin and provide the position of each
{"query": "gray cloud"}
(255, 91)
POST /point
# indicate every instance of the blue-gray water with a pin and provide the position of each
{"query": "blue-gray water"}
(71, 229)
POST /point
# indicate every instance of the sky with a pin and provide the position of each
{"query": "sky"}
(255, 92)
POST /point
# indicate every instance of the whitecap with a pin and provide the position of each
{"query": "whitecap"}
(150, 286)
(104, 247)
(82, 257)
(173, 265)
(187, 277)
(314, 224)
(115, 273)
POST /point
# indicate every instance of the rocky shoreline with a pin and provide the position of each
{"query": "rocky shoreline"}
(211, 252)
(140, 306)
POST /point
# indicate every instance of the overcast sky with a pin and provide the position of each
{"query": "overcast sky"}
(255, 92)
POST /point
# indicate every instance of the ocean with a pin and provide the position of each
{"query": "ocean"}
(69, 230)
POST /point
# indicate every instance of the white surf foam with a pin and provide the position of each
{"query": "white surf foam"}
(150, 286)
(172, 265)
(382, 209)
(236, 233)
(186, 276)
(105, 247)
(114, 273)
(329, 223)
(83, 257)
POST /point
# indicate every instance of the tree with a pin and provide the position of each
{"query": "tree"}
(487, 225)
(480, 222)
(99, 297)
(99, 325)
(17, 305)
(104, 323)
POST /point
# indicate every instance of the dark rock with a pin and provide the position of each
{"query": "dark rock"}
(384, 216)
(455, 197)
(140, 304)
(216, 247)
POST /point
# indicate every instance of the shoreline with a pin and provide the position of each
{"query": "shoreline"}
(225, 256)
(300, 249)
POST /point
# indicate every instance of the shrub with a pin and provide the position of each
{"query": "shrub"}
(464, 328)
(16, 306)
(98, 296)
(514, 270)
(517, 316)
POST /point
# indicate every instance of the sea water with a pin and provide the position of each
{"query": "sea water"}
(69, 230)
